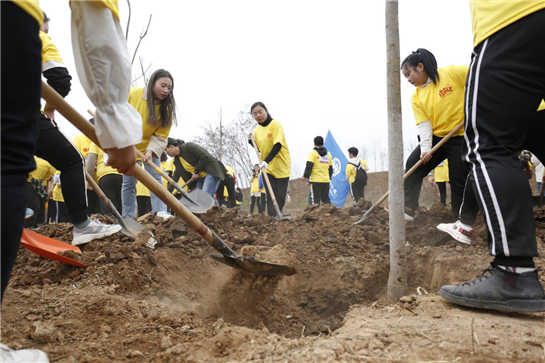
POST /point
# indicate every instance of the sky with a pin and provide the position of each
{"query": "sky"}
(317, 65)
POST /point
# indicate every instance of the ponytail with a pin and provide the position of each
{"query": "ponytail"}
(425, 57)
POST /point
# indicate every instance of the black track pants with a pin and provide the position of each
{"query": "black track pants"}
(21, 64)
(505, 85)
(59, 151)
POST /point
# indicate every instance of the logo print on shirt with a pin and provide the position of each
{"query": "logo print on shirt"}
(323, 159)
(269, 135)
(445, 91)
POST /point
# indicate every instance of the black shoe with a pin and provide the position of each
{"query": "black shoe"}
(499, 290)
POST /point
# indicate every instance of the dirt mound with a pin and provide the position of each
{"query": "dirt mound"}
(175, 303)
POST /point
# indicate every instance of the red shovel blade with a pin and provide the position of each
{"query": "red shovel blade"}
(49, 247)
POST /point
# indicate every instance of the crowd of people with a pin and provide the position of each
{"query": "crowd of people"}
(44, 173)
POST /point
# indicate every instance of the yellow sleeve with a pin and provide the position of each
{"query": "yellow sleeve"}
(363, 163)
(278, 134)
(460, 74)
(49, 50)
(162, 132)
(93, 149)
(419, 114)
(311, 156)
(32, 8)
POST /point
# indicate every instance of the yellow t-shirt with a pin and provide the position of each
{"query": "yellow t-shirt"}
(136, 99)
(255, 185)
(102, 169)
(351, 171)
(167, 166)
(33, 9)
(44, 171)
(442, 104)
(49, 50)
(190, 168)
(141, 189)
(265, 138)
(320, 170)
(82, 143)
(230, 170)
(57, 191)
(488, 17)
(440, 173)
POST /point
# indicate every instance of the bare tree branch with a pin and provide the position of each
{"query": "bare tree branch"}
(128, 21)
(142, 35)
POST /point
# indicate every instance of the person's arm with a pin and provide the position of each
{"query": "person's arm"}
(274, 151)
(330, 171)
(104, 70)
(426, 140)
(92, 163)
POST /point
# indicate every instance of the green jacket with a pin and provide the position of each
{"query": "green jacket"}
(200, 159)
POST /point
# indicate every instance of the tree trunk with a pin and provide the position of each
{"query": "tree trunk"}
(397, 281)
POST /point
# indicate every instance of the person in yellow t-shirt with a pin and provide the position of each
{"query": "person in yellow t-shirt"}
(226, 188)
(271, 142)
(505, 86)
(157, 107)
(438, 105)
(439, 177)
(357, 183)
(37, 191)
(255, 192)
(108, 179)
(318, 172)
(21, 93)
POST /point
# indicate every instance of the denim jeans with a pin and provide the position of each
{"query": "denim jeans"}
(128, 193)
(209, 184)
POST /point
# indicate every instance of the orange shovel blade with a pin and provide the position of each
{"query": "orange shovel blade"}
(49, 247)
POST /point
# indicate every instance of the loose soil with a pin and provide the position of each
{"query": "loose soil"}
(175, 304)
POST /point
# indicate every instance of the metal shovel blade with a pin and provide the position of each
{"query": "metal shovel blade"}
(250, 264)
(200, 202)
(133, 227)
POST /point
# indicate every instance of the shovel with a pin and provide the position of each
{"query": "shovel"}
(411, 170)
(264, 173)
(253, 266)
(197, 201)
(130, 227)
(49, 247)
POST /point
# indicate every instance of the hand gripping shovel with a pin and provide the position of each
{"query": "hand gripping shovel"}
(199, 202)
(229, 256)
(130, 227)
(264, 173)
(411, 170)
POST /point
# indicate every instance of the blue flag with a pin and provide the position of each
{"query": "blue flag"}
(339, 186)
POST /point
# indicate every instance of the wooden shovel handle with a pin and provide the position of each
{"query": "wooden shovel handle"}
(140, 174)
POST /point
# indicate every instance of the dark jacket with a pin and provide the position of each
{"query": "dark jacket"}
(200, 159)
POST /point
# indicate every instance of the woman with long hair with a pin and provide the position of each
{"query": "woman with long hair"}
(157, 106)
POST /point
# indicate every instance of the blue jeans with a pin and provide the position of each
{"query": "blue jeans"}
(209, 184)
(128, 193)
(539, 188)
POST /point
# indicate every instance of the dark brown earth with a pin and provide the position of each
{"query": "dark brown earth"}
(175, 304)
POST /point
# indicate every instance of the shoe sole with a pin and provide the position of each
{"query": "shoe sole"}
(93, 237)
(453, 235)
(511, 306)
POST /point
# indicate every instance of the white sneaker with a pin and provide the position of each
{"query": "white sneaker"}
(458, 231)
(164, 215)
(94, 230)
(22, 355)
